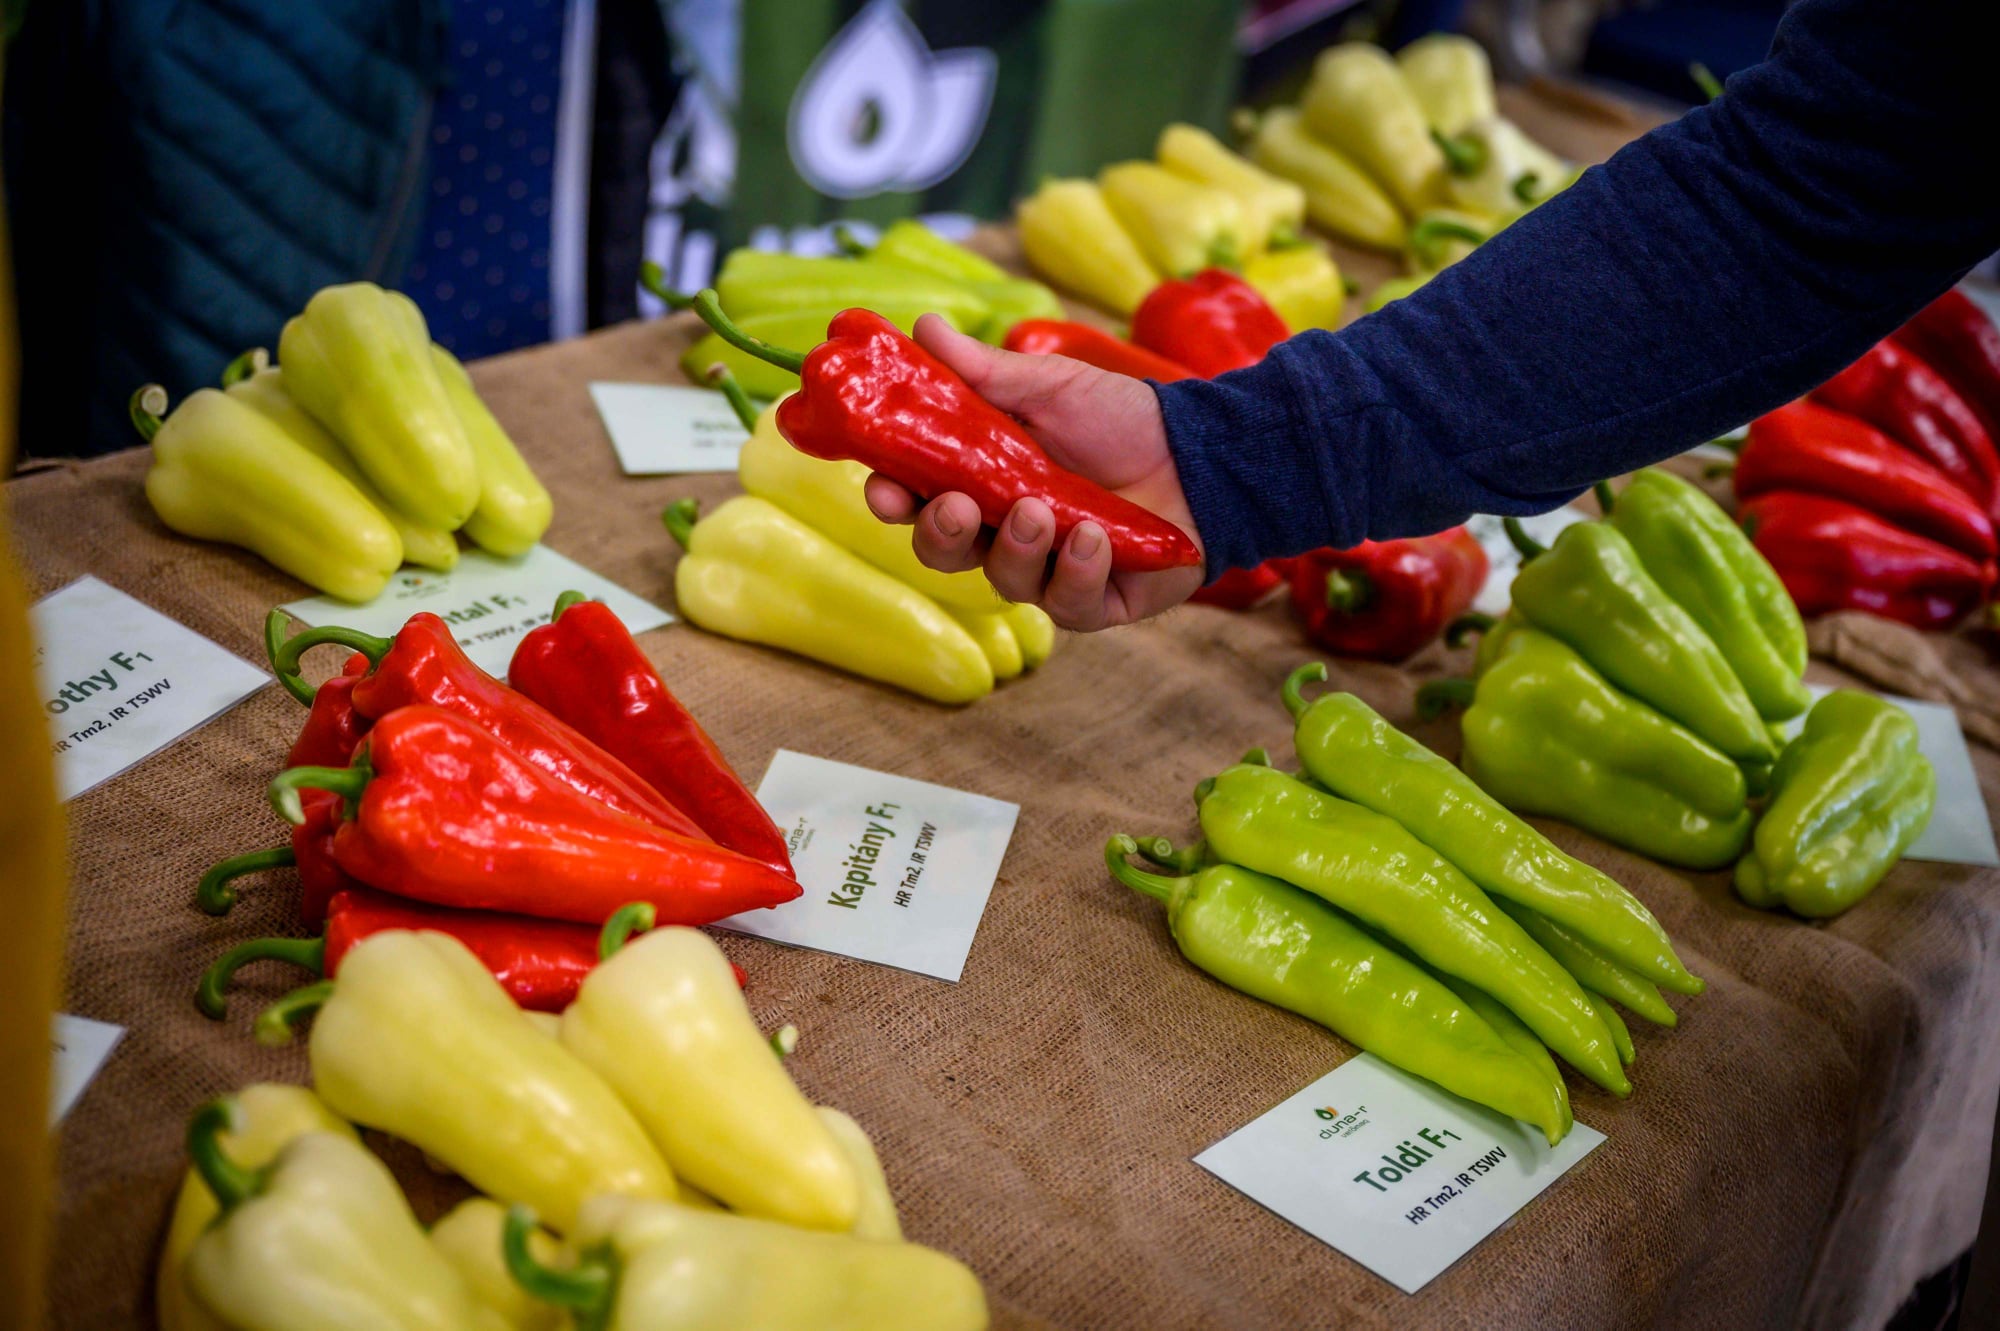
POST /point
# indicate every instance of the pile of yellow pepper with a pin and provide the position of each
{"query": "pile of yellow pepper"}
(365, 447)
(687, 1180)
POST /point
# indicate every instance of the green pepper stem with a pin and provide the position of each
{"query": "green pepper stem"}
(680, 519)
(285, 660)
(1704, 79)
(1285, 236)
(1529, 547)
(214, 893)
(211, 995)
(1715, 469)
(709, 306)
(1202, 790)
(1527, 187)
(586, 1286)
(1430, 232)
(1462, 157)
(1222, 253)
(1606, 497)
(1294, 691)
(1439, 696)
(1348, 286)
(274, 1024)
(633, 917)
(1349, 590)
(1472, 621)
(1157, 886)
(148, 404)
(654, 279)
(274, 639)
(347, 782)
(1257, 757)
(739, 401)
(231, 1183)
(564, 602)
(1748, 522)
(848, 243)
(785, 1041)
(250, 362)
(1182, 860)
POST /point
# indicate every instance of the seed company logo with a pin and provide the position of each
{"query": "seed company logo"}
(1341, 1124)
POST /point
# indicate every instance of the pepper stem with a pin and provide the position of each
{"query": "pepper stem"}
(214, 893)
(785, 1041)
(231, 1183)
(564, 602)
(1222, 253)
(274, 1024)
(211, 995)
(1349, 590)
(1285, 236)
(1182, 860)
(1527, 187)
(634, 917)
(1462, 157)
(1529, 547)
(347, 782)
(709, 306)
(847, 242)
(680, 519)
(739, 401)
(1472, 621)
(147, 406)
(285, 660)
(1157, 886)
(1704, 79)
(249, 363)
(585, 1286)
(274, 639)
(1294, 691)
(654, 279)
(1430, 232)
(1606, 497)
(1439, 696)
(1202, 790)
(1257, 757)
(1716, 469)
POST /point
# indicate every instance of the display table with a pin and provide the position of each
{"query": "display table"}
(1809, 1143)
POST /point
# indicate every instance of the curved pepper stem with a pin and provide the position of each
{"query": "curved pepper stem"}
(214, 893)
(275, 1023)
(347, 782)
(1529, 547)
(1183, 860)
(654, 279)
(785, 1041)
(211, 994)
(739, 401)
(709, 306)
(231, 1183)
(587, 1286)
(1156, 886)
(1257, 757)
(1439, 696)
(1349, 590)
(1462, 157)
(634, 917)
(564, 602)
(250, 362)
(1293, 693)
(146, 407)
(680, 518)
(848, 243)
(1429, 233)
(1472, 621)
(274, 641)
(285, 660)
(1527, 187)
(1704, 79)
(1202, 790)
(1606, 496)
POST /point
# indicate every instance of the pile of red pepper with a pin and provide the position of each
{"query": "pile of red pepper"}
(426, 794)
(1880, 491)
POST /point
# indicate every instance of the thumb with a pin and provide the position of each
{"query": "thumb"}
(1016, 383)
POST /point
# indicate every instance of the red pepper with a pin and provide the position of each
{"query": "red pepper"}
(332, 727)
(1956, 339)
(438, 810)
(1384, 600)
(1834, 555)
(1212, 323)
(869, 394)
(1896, 392)
(584, 666)
(423, 665)
(1092, 346)
(1803, 446)
(1241, 588)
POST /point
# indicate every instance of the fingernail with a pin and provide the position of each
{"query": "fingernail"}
(1024, 528)
(946, 521)
(1083, 542)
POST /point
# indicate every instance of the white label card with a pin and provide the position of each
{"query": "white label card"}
(490, 603)
(668, 429)
(81, 1046)
(1505, 560)
(1392, 1170)
(895, 871)
(120, 681)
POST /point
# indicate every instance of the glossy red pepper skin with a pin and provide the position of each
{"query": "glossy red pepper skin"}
(871, 395)
(1384, 600)
(1212, 323)
(1241, 588)
(540, 963)
(1806, 447)
(1956, 339)
(449, 814)
(1832, 555)
(321, 878)
(584, 666)
(332, 727)
(1894, 390)
(1092, 346)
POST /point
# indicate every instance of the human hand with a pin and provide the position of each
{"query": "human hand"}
(1106, 428)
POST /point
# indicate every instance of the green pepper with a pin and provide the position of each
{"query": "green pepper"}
(1351, 750)
(1546, 735)
(1705, 562)
(1621, 1035)
(1275, 943)
(761, 281)
(1590, 590)
(1367, 865)
(1849, 796)
(1515, 1032)
(1597, 973)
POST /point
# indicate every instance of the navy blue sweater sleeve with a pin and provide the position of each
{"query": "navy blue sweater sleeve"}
(1712, 270)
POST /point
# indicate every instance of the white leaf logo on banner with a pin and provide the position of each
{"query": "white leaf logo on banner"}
(880, 111)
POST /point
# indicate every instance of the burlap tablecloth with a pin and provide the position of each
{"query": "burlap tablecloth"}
(1811, 1141)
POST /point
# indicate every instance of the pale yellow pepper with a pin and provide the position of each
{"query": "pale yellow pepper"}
(876, 1218)
(1069, 235)
(1498, 170)
(1274, 209)
(1182, 225)
(1303, 284)
(995, 637)
(1340, 197)
(1451, 78)
(469, 1237)
(1035, 631)
(514, 507)
(1358, 102)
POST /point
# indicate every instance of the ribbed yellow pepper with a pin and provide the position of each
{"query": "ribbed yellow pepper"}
(1273, 208)
(1340, 197)
(469, 1237)
(514, 509)
(663, 1020)
(359, 359)
(995, 637)
(1358, 102)
(1182, 225)
(911, 244)
(753, 571)
(1451, 78)
(654, 1266)
(1035, 631)
(223, 471)
(876, 1218)
(1069, 235)
(418, 1039)
(1303, 284)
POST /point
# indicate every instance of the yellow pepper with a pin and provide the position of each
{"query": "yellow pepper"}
(270, 1116)
(1182, 225)
(223, 471)
(1303, 284)
(320, 1238)
(1498, 170)
(876, 1217)
(359, 359)
(754, 572)
(1070, 236)
(911, 244)
(1358, 102)
(995, 637)
(514, 509)
(1035, 631)
(418, 1039)
(1340, 197)
(252, 380)
(654, 1266)
(1452, 80)
(661, 1018)
(469, 1237)
(1273, 208)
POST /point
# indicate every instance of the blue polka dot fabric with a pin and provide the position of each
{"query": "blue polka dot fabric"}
(481, 268)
